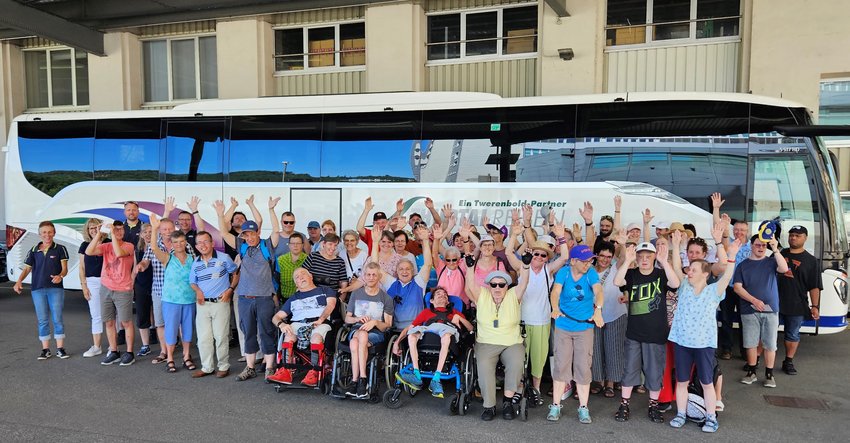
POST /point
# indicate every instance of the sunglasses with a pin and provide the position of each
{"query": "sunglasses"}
(451, 260)
(498, 285)
(540, 254)
(287, 222)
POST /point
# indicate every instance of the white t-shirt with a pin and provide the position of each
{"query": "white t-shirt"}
(536, 307)
(354, 265)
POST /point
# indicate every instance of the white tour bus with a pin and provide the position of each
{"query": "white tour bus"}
(483, 154)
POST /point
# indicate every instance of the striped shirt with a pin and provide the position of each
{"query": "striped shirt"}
(212, 277)
(287, 267)
(158, 268)
(326, 272)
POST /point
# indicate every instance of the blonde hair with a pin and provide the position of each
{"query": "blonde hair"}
(89, 223)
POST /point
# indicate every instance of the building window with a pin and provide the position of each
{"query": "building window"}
(483, 33)
(328, 46)
(180, 69)
(644, 21)
(56, 77)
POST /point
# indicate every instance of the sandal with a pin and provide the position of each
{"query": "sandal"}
(641, 389)
(189, 364)
(170, 367)
(595, 388)
(159, 359)
(608, 392)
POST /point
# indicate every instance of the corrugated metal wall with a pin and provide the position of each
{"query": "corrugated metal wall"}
(325, 83)
(177, 29)
(450, 5)
(707, 67)
(38, 42)
(318, 16)
(508, 78)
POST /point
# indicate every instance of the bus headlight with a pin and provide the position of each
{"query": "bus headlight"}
(840, 286)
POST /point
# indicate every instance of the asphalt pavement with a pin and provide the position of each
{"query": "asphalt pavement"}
(79, 400)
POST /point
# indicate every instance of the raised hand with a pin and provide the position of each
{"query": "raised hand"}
(154, 221)
(273, 202)
(234, 202)
(559, 229)
(576, 232)
(485, 221)
(514, 215)
(193, 203)
(732, 249)
(399, 206)
(447, 210)
(647, 216)
(676, 239)
(631, 255)
(429, 203)
(169, 206)
(218, 205)
(618, 201)
(526, 214)
(621, 237)
(516, 228)
(587, 212)
(663, 252)
(250, 200)
(465, 228)
(437, 230)
(377, 233)
(368, 204)
(421, 233)
(726, 220)
(717, 200)
(717, 232)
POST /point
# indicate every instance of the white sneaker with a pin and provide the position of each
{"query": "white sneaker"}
(719, 406)
(92, 352)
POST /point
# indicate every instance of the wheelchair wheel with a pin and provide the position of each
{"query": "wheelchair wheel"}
(454, 404)
(392, 363)
(392, 398)
(469, 372)
(277, 389)
(523, 409)
(462, 403)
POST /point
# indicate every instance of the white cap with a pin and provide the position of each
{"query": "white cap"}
(645, 246)
(632, 226)
(662, 225)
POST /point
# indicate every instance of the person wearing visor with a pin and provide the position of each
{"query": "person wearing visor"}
(498, 338)
(577, 301)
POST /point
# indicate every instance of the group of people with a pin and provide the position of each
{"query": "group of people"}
(623, 309)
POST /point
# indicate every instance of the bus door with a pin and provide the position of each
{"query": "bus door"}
(315, 204)
(193, 167)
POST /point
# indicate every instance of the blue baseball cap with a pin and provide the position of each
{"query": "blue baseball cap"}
(766, 231)
(313, 224)
(581, 252)
(250, 225)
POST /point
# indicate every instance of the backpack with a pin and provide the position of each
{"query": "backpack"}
(273, 265)
(696, 411)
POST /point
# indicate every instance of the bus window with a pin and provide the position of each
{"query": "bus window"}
(275, 148)
(651, 167)
(127, 150)
(56, 154)
(194, 151)
(606, 167)
(782, 187)
(371, 147)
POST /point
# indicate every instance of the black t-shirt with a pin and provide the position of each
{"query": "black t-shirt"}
(144, 280)
(795, 284)
(229, 250)
(647, 294)
(93, 263)
(132, 234)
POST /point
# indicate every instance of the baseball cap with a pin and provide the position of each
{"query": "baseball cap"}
(548, 239)
(250, 225)
(379, 216)
(503, 229)
(766, 230)
(645, 246)
(662, 225)
(581, 252)
(797, 229)
(486, 237)
(498, 274)
(313, 224)
(632, 226)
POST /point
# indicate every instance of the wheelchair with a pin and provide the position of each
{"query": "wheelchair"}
(302, 362)
(526, 391)
(457, 367)
(341, 370)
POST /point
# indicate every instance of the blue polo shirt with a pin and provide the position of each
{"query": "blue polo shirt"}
(43, 264)
(576, 299)
(213, 276)
(409, 300)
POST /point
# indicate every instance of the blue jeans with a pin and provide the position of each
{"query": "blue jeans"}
(48, 306)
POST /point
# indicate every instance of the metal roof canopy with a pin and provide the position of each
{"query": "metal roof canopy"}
(79, 23)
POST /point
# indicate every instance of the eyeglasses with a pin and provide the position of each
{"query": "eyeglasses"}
(540, 254)
(292, 222)
(498, 285)
(451, 260)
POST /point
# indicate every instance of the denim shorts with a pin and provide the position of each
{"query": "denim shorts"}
(760, 327)
(792, 327)
(375, 335)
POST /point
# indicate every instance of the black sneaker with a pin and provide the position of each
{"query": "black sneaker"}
(111, 357)
(127, 359)
(144, 350)
(508, 412)
(488, 414)
(361, 389)
(666, 406)
(622, 413)
(655, 414)
(60, 352)
(45, 354)
(787, 367)
(351, 389)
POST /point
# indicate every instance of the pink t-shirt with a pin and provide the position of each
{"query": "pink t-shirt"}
(481, 273)
(117, 273)
(453, 281)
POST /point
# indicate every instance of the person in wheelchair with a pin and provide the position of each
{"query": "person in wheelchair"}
(370, 311)
(306, 312)
(440, 320)
(498, 337)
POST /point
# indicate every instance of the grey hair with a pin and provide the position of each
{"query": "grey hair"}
(451, 250)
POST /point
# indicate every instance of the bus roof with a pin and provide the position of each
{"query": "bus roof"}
(398, 101)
